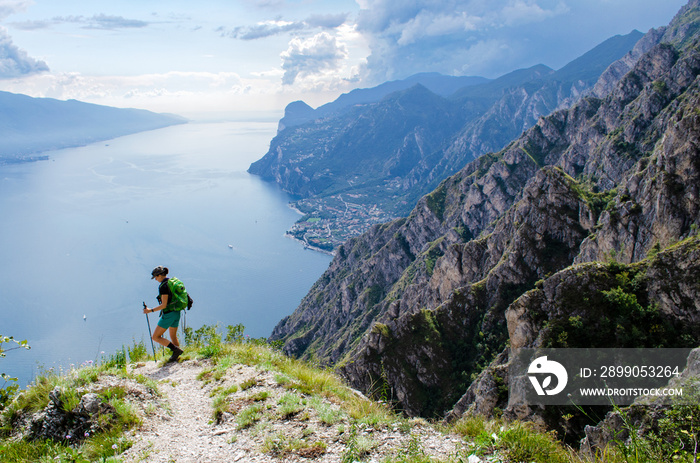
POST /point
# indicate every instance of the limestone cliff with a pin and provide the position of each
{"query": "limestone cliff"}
(651, 303)
(416, 309)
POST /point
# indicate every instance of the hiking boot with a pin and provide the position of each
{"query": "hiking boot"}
(177, 352)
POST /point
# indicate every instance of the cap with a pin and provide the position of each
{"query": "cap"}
(159, 271)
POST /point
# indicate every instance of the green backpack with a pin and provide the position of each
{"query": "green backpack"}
(181, 300)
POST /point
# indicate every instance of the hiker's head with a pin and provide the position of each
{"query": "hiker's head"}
(159, 271)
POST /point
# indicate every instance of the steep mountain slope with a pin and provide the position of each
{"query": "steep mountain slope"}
(418, 306)
(32, 125)
(388, 154)
(348, 150)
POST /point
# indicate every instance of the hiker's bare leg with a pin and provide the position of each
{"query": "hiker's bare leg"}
(173, 336)
(158, 336)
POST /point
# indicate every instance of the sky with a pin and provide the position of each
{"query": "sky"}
(226, 56)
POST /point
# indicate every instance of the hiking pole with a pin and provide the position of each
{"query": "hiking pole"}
(150, 335)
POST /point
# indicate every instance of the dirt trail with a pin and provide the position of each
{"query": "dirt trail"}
(181, 431)
(180, 428)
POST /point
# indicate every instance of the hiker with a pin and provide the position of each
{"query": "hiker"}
(170, 317)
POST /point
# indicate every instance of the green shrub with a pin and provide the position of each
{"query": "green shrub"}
(234, 333)
(9, 385)
(138, 352)
(117, 360)
(205, 335)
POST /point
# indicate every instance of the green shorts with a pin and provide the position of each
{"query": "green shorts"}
(169, 320)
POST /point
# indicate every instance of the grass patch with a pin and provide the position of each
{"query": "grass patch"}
(222, 391)
(249, 416)
(411, 452)
(306, 379)
(289, 405)
(327, 414)
(357, 447)
(219, 406)
(281, 446)
(260, 396)
(249, 383)
(520, 442)
(513, 441)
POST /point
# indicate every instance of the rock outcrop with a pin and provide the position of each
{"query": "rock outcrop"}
(653, 303)
(61, 423)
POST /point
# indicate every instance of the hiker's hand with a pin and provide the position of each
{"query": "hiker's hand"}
(146, 310)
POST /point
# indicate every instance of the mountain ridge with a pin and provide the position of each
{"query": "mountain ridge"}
(298, 112)
(419, 305)
(34, 125)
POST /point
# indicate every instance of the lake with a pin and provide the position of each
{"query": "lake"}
(82, 231)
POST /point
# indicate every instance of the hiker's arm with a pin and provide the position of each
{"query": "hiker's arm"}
(163, 304)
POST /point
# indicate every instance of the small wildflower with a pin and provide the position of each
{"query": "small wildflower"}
(87, 434)
(68, 436)
(114, 446)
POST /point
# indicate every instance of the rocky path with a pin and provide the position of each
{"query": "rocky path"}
(180, 428)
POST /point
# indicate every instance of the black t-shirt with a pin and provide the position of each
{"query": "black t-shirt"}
(165, 289)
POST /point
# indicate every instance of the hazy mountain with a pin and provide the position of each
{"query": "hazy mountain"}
(33, 125)
(298, 112)
(389, 153)
(583, 232)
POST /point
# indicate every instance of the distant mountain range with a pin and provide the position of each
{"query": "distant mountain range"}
(298, 112)
(383, 148)
(29, 126)
(582, 232)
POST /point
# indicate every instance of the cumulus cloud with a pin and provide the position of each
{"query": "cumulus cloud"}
(439, 35)
(317, 55)
(14, 62)
(276, 27)
(436, 25)
(311, 62)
